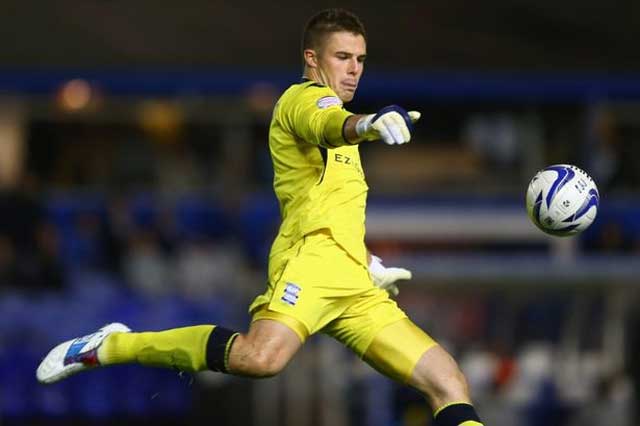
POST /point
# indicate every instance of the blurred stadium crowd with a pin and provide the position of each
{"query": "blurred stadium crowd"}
(148, 211)
(144, 197)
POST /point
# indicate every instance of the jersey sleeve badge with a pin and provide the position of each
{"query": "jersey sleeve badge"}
(327, 101)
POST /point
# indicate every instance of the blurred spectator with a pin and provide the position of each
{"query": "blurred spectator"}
(28, 244)
(91, 243)
(603, 134)
(614, 159)
(44, 268)
(177, 168)
(205, 269)
(631, 356)
(22, 214)
(145, 267)
(480, 368)
(8, 268)
(495, 138)
(613, 238)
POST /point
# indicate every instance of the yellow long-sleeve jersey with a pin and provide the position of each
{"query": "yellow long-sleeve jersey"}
(318, 178)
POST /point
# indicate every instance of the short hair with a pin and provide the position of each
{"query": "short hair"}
(327, 22)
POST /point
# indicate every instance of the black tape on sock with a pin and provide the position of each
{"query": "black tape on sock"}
(218, 347)
(455, 414)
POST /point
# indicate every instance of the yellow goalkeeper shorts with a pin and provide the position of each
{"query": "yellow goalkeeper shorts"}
(315, 286)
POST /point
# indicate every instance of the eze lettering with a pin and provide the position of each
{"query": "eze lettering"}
(342, 159)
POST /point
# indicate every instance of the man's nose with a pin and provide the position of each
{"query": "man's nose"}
(353, 66)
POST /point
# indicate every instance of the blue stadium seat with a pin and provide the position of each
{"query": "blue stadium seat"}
(198, 217)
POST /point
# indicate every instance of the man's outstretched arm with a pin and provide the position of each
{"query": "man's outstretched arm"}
(316, 116)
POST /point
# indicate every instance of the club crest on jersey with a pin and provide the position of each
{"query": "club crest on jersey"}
(290, 295)
(328, 101)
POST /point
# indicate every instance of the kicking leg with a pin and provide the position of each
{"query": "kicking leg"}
(262, 352)
(404, 352)
(381, 334)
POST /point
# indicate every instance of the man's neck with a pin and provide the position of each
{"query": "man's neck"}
(313, 75)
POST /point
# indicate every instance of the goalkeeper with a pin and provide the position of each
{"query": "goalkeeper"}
(321, 276)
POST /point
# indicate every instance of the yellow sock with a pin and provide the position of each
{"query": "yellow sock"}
(184, 348)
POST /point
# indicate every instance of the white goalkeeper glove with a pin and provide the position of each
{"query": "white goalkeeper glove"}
(392, 124)
(385, 278)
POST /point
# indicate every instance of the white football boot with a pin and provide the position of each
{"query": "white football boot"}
(76, 355)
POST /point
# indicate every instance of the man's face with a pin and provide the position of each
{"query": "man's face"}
(340, 62)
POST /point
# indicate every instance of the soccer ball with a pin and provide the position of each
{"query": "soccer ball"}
(562, 200)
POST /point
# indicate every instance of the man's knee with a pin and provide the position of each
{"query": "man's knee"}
(268, 363)
(439, 378)
(264, 351)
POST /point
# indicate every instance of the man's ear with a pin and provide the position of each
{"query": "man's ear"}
(310, 58)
